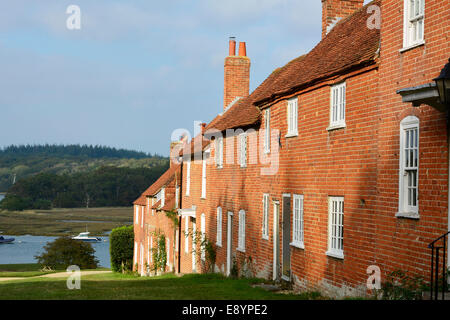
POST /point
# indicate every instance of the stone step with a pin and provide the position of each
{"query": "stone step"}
(426, 295)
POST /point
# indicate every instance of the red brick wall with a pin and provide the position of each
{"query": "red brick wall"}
(359, 162)
(236, 79)
(402, 243)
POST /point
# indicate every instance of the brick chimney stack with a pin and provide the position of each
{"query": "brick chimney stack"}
(237, 73)
(335, 10)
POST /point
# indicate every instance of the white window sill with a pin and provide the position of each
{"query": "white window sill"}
(298, 245)
(266, 151)
(240, 249)
(291, 135)
(335, 255)
(243, 167)
(408, 215)
(412, 46)
(336, 126)
(219, 245)
(219, 167)
(265, 237)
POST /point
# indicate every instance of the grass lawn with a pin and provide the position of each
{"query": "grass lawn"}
(27, 270)
(130, 287)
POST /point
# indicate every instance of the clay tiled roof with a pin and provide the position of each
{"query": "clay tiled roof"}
(241, 114)
(169, 203)
(157, 205)
(167, 177)
(348, 45)
(141, 201)
(198, 143)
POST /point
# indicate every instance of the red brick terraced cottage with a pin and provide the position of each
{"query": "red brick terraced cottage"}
(151, 221)
(335, 165)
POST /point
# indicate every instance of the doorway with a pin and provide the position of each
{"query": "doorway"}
(229, 241)
(194, 247)
(286, 259)
(276, 239)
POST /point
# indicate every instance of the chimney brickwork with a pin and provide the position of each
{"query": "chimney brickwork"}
(237, 74)
(335, 10)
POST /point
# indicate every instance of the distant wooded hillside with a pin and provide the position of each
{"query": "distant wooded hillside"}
(20, 162)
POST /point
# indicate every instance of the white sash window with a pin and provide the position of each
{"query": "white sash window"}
(409, 168)
(265, 222)
(297, 233)
(336, 227)
(292, 117)
(241, 233)
(337, 109)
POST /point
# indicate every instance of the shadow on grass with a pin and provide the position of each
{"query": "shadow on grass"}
(130, 287)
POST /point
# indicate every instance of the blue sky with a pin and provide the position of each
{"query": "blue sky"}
(137, 69)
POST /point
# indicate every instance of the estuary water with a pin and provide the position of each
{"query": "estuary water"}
(2, 196)
(24, 248)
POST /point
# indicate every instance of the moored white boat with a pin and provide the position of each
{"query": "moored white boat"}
(84, 236)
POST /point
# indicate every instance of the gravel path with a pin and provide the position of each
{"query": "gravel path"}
(54, 275)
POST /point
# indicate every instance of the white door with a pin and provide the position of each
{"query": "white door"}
(276, 239)
(194, 247)
(229, 241)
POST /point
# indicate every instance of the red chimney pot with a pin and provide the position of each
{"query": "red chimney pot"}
(242, 49)
(232, 47)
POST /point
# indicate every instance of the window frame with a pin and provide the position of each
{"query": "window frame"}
(292, 122)
(136, 221)
(188, 178)
(186, 235)
(219, 152)
(219, 227)
(334, 251)
(299, 229)
(408, 23)
(267, 130)
(265, 216)
(404, 209)
(243, 150)
(341, 106)
(241, 231)
(203, 194)
(203, 236)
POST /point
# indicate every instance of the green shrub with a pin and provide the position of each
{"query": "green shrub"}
(42, 205)
(64, 252)
(159, 253)
(15, 203)
(400, 286)
(121, 245)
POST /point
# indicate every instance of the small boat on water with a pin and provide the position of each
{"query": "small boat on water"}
(6, 240)
(84, 236)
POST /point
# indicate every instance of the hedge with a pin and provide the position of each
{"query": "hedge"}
(121, 245)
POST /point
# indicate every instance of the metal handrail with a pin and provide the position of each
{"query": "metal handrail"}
(434, 283)
(436, 240)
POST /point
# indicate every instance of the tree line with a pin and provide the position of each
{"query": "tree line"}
(19, 162)
(105, 187)
(73, 150)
